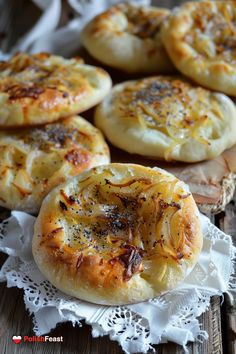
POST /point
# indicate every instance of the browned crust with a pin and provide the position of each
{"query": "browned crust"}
(143, 22)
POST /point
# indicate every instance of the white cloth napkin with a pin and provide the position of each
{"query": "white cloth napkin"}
(170, 317)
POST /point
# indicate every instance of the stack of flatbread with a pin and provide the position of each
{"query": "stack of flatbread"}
(42, 141)
(185, 118)
(119, 233)
(169, 117)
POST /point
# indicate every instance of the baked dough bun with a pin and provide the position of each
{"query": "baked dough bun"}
(167, 118)
(200, 39)
(34, 160)
(118, 234)
(127, 37)
(42, 88)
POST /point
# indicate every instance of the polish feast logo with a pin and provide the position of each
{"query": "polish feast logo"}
(19, 339)
(16, 339)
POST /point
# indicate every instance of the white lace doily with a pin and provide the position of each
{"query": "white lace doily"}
(170, 317)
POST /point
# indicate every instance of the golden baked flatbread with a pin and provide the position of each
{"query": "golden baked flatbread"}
(168, 118)
(34, 160)
(118, 234)
(127, 37)
(42, 88)
(200, 38)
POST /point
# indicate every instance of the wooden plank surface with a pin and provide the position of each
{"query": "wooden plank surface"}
(16, 17)
(228, 224)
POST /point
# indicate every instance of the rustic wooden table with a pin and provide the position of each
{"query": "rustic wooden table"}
(219, 321)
